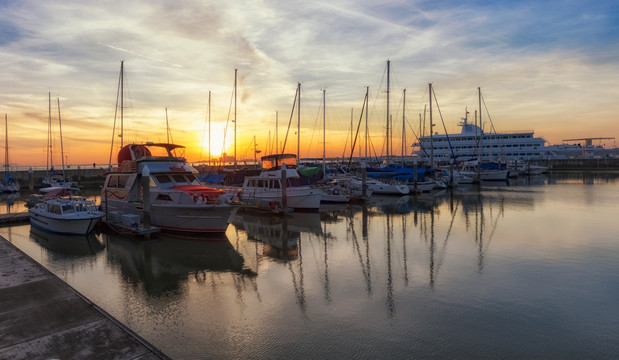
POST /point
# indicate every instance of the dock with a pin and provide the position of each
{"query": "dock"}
(42, 317)
(14, 218)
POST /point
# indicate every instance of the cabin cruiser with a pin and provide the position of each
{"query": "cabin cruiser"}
(266, 190)
(70, 215)
(176, 201)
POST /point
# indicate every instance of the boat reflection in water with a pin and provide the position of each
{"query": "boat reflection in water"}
(279, 234)
(72, 245)
(165, 263)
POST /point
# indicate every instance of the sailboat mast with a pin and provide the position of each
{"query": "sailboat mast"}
(431, 128)
(387, 138)
(235, 72)
(480, 126)
(209, 129)
(122, 105)
(61, 146)
(49, 161)
(6, 145)
(276, 131)
(403, 125)
(299, 123)
(367, 92)
(167, 125)
(324, 136)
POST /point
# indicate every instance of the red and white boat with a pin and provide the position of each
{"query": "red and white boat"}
(177, 200)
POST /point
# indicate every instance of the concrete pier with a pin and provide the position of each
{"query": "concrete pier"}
(42, 317)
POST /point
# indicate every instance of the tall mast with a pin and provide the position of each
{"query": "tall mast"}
(122, 99)
(351, 132)
(431, 128)
(209, 129)
(49, 161)
(387, 138)
(6, 145)
(276, 131)
(299, 123)
(235, 71)
(61, 146)
(480, 126)
(403, 125)
(367, 92)
(324, 136)
(167, 125)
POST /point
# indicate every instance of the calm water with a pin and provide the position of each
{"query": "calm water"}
(528, 270)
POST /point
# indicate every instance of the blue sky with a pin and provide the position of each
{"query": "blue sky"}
(548, 66)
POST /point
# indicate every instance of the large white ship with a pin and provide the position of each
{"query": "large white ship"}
(474, 143)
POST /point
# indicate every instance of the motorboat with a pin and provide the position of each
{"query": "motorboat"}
(70, 215)
(266, 190)
(176, 201)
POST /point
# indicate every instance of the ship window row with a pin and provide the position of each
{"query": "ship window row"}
(479, 138)
(484, 147)
(448, 156)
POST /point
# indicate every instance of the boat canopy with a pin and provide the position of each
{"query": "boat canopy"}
(149, 149)
(274, 162)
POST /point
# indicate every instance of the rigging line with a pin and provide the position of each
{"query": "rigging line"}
(314, 129)
(223, 146)
(115, 116)
(352, 150)
(294, 104)
(502, 147)
(204, 130)
(453, 155)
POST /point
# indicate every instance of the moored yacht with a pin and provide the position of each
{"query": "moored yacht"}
(266, 190)
(176, 199)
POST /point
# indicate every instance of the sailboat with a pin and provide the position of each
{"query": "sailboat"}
(9, 184)
(54, 179)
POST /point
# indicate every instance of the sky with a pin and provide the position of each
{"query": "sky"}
(546, 66)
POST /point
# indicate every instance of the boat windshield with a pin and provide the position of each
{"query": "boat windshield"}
(273, 162)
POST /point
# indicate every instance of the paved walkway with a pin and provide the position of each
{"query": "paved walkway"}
(41, 317)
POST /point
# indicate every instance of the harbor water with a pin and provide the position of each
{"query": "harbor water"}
(525, 270)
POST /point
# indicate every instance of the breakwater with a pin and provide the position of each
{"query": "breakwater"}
(95, 175)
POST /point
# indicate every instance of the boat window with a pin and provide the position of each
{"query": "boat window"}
(53, 209)
(152, 182)
(112, 181)
(164, 197)
(122, 180)
(163, 179)
(180, 179)
(294, 182)
(67, 208)
(275, 184)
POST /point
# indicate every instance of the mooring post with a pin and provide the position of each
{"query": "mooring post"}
(30, 179)
(284, 186)
(146, 199)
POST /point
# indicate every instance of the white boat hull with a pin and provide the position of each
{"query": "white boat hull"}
(178, 218)
(73, 226)
(380, 188)
(298, 198)
(422, 186)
